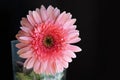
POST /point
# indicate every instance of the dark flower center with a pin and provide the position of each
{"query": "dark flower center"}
(48, 41)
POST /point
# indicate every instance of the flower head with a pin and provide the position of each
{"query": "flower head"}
(46, 38)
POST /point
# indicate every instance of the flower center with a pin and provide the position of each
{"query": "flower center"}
(48, 41)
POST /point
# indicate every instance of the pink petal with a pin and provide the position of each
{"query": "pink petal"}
(27, 30)
(63, 63)
(26, 54)
(64, 18)
(38, 10)
(37, 17)
(21, 45)
(23, 50)
(43, 13)
(59, 67)
(72, 35)
(73, 27)
(25, 22)
(69, 53)
(36, 66)
(73, 48)
(56, 12)
(22, 33)
(31, 20)
(69, 15)
(69, 23)
(30, 63)
(26, 61)
(37, 30)
(67, 58)
(50, 10)
(75, 40)
(26, 38)
(52, 69)
(23, 41)
(73, 31)
(49, 69)
(50, 13)
(43, 67)
(60, 17)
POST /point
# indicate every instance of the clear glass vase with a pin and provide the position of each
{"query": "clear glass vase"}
(20, 73)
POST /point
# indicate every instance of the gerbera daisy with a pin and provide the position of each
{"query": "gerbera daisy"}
(45, 40)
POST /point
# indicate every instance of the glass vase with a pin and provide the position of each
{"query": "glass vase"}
(20, 73)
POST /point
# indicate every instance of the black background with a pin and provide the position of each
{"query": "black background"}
(93, 63)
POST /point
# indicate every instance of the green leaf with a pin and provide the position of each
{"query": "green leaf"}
(22, 76)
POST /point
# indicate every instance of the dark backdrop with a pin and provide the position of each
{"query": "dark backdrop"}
(93, 63)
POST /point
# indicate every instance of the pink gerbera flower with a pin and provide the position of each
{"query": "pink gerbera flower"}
(45, 40)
